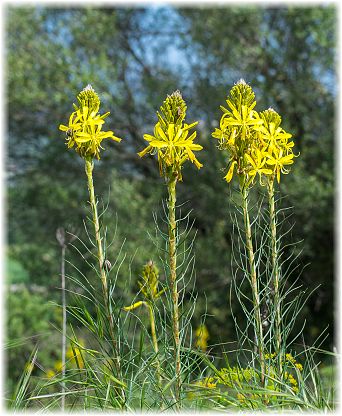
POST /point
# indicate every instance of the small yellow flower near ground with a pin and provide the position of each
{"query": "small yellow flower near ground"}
(290, 358)
(202, 336)
(29, 366)
(270, 356)
(84, 130)
(241, 397)
(74, 355)
(50, 373)
(299, 366)
(58, 366)
(208, 382)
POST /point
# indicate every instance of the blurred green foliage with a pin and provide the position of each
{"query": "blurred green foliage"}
(15, 272)
(133, 57)
(29, 321)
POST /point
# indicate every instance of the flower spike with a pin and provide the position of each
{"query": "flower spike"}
(84, 130)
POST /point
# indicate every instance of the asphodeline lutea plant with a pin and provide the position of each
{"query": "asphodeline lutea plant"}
(173, 144)
(257, 147)
(238, 135)
(278, 150)
(84, 134)
(149, 290)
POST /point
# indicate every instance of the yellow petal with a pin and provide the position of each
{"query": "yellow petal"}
(82, 139)
(160, 132)
(134, 306)
(116, 139)
(148, 137)
(158, 144)
(171, 131)
(229, 175)
(197, 164)
(146, 150)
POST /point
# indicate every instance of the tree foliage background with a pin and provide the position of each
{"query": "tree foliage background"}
(133, 57)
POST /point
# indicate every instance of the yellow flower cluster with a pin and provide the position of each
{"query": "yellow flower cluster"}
(74, 356)
(289, 359)
(289, 362)
(148, 286)
(242, 379)
(84, 130)
(256, 143)
(289, 377)
(149, 281)
(207, 382)
(171, 140)
(202, 336)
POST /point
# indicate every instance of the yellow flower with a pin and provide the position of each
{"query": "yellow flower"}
(171, 140)
(148, 286)
(202, 335)
(290, 358)
(29, 366)
(276, 141)
(74, 354)
(241, 118)
(207, 382)
(257, 162)
(149, 281)
(241, 397)
(50, 373)
(237, 133)
(279, 161)
(270, 356)
(299, 366)
(230, 173)
(84, 130)
(256, 143)
(58, 366)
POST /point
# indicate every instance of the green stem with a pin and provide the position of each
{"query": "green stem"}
(89, 166)
(275, 269)
(173, 279)
(254, 285)
(154, 338)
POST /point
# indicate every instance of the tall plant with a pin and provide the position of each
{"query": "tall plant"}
(258, 148)
(84, 134)
(174, 145)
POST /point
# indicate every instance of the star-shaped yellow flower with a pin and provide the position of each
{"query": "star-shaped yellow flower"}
(174, 146)
(84, 130)
(278, 160)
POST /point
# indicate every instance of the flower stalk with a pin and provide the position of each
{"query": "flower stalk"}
(259, 336)
(85, 134)
(89, 166)
(174, 145)
(149, 289)
(275, 271)
(173, 278)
